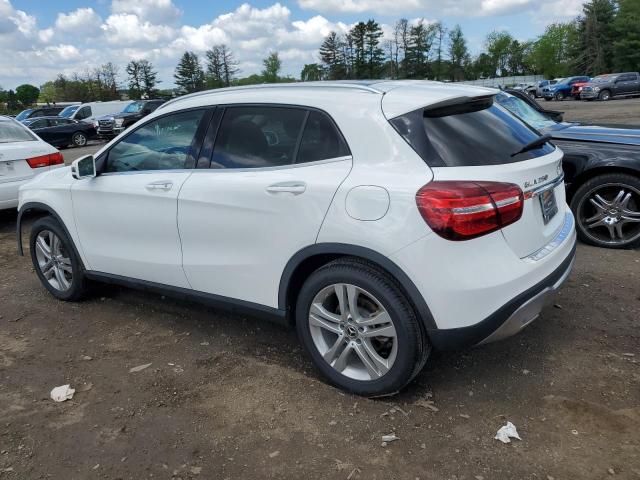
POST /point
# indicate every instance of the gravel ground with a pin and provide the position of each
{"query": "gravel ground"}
(623, 112)
(226, 397)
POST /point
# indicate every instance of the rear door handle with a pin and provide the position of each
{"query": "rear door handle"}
(165, 185)
(295, 188)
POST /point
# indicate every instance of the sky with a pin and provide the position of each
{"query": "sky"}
(41, 38)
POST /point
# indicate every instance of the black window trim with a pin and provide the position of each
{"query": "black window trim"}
(216, 130)
(196, 143)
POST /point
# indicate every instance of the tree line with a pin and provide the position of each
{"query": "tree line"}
(605, 37)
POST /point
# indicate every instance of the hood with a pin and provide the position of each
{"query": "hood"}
(598, 134)
(116, 115)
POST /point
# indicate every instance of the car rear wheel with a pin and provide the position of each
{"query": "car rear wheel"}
(79, 139)
(559, 96)
(55, 260)
(607, 211)
(604, 95)
(359, 329)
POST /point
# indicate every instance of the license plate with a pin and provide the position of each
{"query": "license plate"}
(548, 204)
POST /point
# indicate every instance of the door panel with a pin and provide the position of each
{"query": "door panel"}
(126, 224)
(239, 228)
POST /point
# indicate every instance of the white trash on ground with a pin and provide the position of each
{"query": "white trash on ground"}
(62, 393)
(389, 438)
(506, 433)
(139, 368)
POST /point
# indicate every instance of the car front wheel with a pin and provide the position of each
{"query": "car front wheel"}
(559, 96)
(55, 260)
(607, 211)
(604, 95)
(359, 329)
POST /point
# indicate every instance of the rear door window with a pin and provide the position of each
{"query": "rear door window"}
(257, 137)
(468, 134)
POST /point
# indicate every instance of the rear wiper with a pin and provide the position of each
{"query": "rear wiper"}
(534, 144)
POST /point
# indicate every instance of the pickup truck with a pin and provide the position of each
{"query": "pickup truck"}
(605, 87)
(562, 89)
(109, 126)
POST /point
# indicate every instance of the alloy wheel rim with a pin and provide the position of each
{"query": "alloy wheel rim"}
(53, 260)
(353, 332)
(80, 140)
(610, 214)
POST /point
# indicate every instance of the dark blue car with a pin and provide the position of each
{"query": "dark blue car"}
(562, 90)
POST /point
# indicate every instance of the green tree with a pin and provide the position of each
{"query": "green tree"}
(222, 66)
(48, 93)
(498, 45)
(189, 75)
(332, 57)
(597, 36)
(272, 66)
(311, 72)
(27, 94)
(439, 31)
(374, 55)
(419, 46)
(626, 46)
(552, 53)
(148, 78)
(12, 101)
(458, 53)
(135, 79)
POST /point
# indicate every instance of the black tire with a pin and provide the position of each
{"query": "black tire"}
(79, 139)
(413, 347)
(582, 209)
(78, 283)
(532, 95)
(604, 95)
(559, 96)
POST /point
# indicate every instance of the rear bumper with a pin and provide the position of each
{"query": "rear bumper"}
(512, 317)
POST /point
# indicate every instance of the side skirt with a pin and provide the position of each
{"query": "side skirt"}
(230, 305)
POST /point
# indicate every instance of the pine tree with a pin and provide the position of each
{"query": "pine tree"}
(597, 34)
(332, 57)
(148, 78)
(626, 46)
(215, 73)
(458, 53)
(189, 75)
(135, 86)
(374, 55)
(419, 45)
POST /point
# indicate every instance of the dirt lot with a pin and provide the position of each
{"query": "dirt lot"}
(623, 112)
(233, 398)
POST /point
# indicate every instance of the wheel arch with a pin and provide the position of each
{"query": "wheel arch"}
(41, 210)
(309, 259)
(590, 173)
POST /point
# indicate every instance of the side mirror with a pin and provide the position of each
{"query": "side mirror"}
(83, 167)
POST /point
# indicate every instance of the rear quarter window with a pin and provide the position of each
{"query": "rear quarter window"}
(469, 134)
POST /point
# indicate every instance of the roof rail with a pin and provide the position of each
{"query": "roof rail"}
(367, 87)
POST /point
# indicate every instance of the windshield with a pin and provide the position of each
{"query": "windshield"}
(70, 110)
(524, 111)
(604, 78)
(11, 131)
(24, 114)
(134, 107)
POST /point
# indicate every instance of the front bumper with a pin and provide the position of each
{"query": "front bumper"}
(588, 95)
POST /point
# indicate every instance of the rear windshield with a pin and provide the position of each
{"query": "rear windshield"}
(10, 131)
(24, 114)
(469, 134)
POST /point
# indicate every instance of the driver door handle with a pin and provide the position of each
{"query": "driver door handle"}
(295, 188)
(165, 185)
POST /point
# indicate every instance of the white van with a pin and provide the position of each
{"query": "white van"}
(88, 112)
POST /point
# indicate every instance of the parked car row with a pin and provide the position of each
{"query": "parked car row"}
(602, 87)
(376, 238)
(75, 125)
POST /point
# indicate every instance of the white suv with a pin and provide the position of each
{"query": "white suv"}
(381, 218)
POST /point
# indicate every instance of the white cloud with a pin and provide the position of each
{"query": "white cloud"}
(155, 11)
(464, 8)
(128, 29)
(82, 20)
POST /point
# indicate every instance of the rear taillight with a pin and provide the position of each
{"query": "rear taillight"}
(45, 160)
(464, 210)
